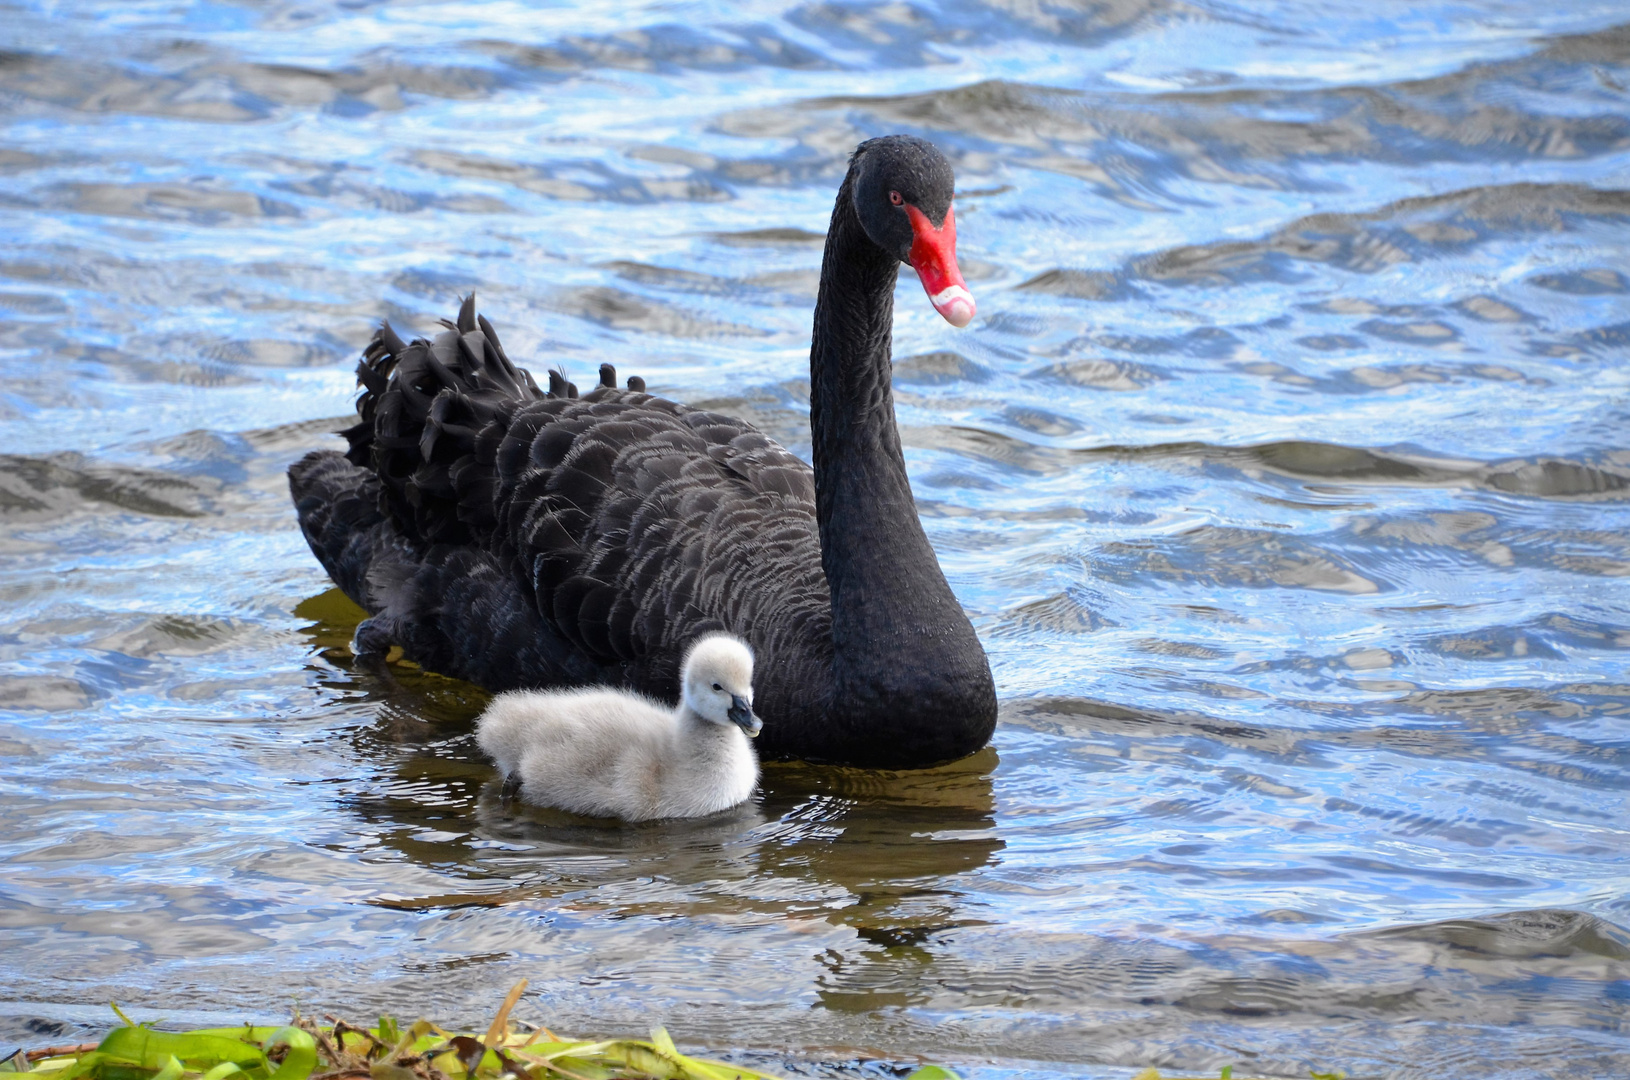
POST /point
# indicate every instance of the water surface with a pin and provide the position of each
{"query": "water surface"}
(1284, 474)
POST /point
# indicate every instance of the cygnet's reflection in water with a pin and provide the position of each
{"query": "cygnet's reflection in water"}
(876, 851)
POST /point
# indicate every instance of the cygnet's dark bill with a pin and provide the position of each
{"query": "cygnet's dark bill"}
(741, 714)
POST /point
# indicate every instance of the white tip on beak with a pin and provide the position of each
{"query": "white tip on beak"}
(956, 304)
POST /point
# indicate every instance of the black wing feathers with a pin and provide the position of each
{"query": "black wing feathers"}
(625, 524)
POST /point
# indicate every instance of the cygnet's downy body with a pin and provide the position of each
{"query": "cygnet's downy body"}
(612, 753)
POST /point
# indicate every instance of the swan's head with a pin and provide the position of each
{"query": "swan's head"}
(717, 682)
(902, 192)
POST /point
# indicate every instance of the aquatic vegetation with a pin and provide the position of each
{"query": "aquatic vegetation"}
(303, 1049)
(306, 1050)
(422, 1051)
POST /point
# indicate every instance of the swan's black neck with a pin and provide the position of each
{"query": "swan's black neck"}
(910, 680)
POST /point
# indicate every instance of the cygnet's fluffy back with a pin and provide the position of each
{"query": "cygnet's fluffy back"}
(618, 754)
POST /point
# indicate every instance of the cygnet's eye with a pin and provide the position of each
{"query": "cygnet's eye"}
(894, 197)
(716, 686)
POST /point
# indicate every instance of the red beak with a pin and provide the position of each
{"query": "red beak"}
(933, 255)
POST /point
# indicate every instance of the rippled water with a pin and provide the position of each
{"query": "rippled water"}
(1285, 474)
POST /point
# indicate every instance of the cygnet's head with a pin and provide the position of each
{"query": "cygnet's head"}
(717, 682)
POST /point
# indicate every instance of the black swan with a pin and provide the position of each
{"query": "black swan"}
(612, 753)
(522, 539)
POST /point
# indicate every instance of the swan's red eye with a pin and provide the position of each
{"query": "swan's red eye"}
(894, 197)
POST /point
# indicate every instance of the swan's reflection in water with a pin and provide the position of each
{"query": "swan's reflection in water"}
(875, 852)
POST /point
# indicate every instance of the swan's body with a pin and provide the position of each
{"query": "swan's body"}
(521, 540)
(612, 753)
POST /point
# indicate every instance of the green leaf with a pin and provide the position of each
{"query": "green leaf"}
(151, 1049)
(246, 1033)
(85, 1065)
(933, 1072)
(1227, 1072)
(222, 1071)
(301, 1058)
(1338, 1074)
(170, 1071)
